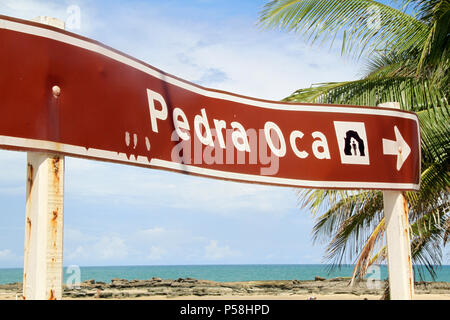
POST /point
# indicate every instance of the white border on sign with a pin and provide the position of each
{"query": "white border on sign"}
(141, 160)
(61, 37)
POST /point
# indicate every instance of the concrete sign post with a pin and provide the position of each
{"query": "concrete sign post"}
(401, 278)
(75, 96)
(44, 223)
(43, 255)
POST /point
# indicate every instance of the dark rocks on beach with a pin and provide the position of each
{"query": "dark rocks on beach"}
(341, 279)
(12, 286)
(105, 294)
(78, 294)
(123, 288)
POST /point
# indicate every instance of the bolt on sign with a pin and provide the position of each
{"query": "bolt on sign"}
(63, 93)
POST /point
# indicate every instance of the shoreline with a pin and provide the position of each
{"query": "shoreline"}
(193, 289)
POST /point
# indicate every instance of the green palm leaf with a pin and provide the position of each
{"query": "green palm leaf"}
(364, 25)
(413, 95)
(408, 62)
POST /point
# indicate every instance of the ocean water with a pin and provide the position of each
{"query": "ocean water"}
(220, 273)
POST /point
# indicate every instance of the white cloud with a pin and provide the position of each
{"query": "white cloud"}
(151, 245)
(9, 258)
(84, 248)
(225, 53)
(213, 251)
(93, 181)
(30, 9)
(156, 253)
(111, 247)
(5, 254)
(75, 235)
(171, 239)
(152, 232)
(76, 254)
(14, 169)
(140, 187)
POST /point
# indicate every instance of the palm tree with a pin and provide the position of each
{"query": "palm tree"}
(407, 60)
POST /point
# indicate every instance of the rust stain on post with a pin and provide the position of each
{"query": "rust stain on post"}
(30, 180)
(54, 229)
(29, 225)
(410, 277)
(52, 295)
(56, 180)
(405, 208)
(55, 171)
(30, 175)
(406, 234)
(55, 215)
(56, 165)
(28, 235)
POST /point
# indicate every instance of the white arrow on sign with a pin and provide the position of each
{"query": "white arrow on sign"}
(399, 148)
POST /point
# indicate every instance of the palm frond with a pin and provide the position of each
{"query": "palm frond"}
(364, 25)
(426, 245)
(412, 94)
(435, 47)
(364, 259)
(391, 64)
(350, 236)
(409, 62)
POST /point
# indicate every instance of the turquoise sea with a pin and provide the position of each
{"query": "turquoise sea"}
(217, 272)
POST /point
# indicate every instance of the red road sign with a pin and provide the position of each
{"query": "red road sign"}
(63, 93)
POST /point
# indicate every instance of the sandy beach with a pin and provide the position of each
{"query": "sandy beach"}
(193, 289)
(9, 296)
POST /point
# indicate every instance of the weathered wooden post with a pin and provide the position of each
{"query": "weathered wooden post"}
(43, 256)
(401, 278)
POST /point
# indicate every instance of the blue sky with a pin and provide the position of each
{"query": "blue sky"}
(120, 215)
